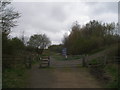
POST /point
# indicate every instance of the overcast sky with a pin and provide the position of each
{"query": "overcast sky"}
(55, 19)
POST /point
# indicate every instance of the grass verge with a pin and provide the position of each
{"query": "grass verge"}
(14, 77)
(112, 70)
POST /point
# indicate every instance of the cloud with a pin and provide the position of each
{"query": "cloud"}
(102, 7)
(55, 19)
(103, 11)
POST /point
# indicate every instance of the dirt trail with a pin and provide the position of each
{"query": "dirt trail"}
(61, 78)
(70, 77)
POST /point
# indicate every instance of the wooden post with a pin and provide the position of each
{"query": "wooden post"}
(105, 60)
(48, 61)
(83, 61)
(45, 62)
(86, 60)
(39, 59)
(30, 62)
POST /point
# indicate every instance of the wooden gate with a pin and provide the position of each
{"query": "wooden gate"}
(44, 61)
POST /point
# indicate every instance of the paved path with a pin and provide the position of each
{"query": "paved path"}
(61, 78)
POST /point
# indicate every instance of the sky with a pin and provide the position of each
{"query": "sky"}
(56, 18)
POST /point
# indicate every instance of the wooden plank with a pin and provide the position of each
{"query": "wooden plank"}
(45, 59)
(44, 62)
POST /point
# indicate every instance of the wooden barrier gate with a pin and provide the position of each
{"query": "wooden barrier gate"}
(44, 62)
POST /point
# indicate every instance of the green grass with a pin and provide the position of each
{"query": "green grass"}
(96, 50)
(113, 84)
(14, 78)
(112, 70)
(0, 79)
(94, 61)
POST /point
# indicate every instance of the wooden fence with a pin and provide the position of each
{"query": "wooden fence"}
(102, 60)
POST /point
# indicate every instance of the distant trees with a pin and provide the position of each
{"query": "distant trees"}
(39, 41)
(89, 37)
(10, 47)
(14, 46)
(56, 48)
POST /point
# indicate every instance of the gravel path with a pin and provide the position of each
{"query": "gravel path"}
(66, 63)
(65, 77)
(64, 74)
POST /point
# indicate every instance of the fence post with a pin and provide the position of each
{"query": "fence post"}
(87, 60)
(114, 59)
(83, 61)
(105, 60)
(48, 60)
(30, 62)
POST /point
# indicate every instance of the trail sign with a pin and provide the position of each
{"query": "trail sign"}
(64, 52)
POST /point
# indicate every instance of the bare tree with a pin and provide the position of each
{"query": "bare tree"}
(7, 16)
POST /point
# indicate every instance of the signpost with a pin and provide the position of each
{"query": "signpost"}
(64, 52)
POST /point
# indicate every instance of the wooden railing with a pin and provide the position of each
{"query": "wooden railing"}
(102, 60)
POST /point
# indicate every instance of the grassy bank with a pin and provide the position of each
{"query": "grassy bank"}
(14, 77)
(107, 75)
(112, 71)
